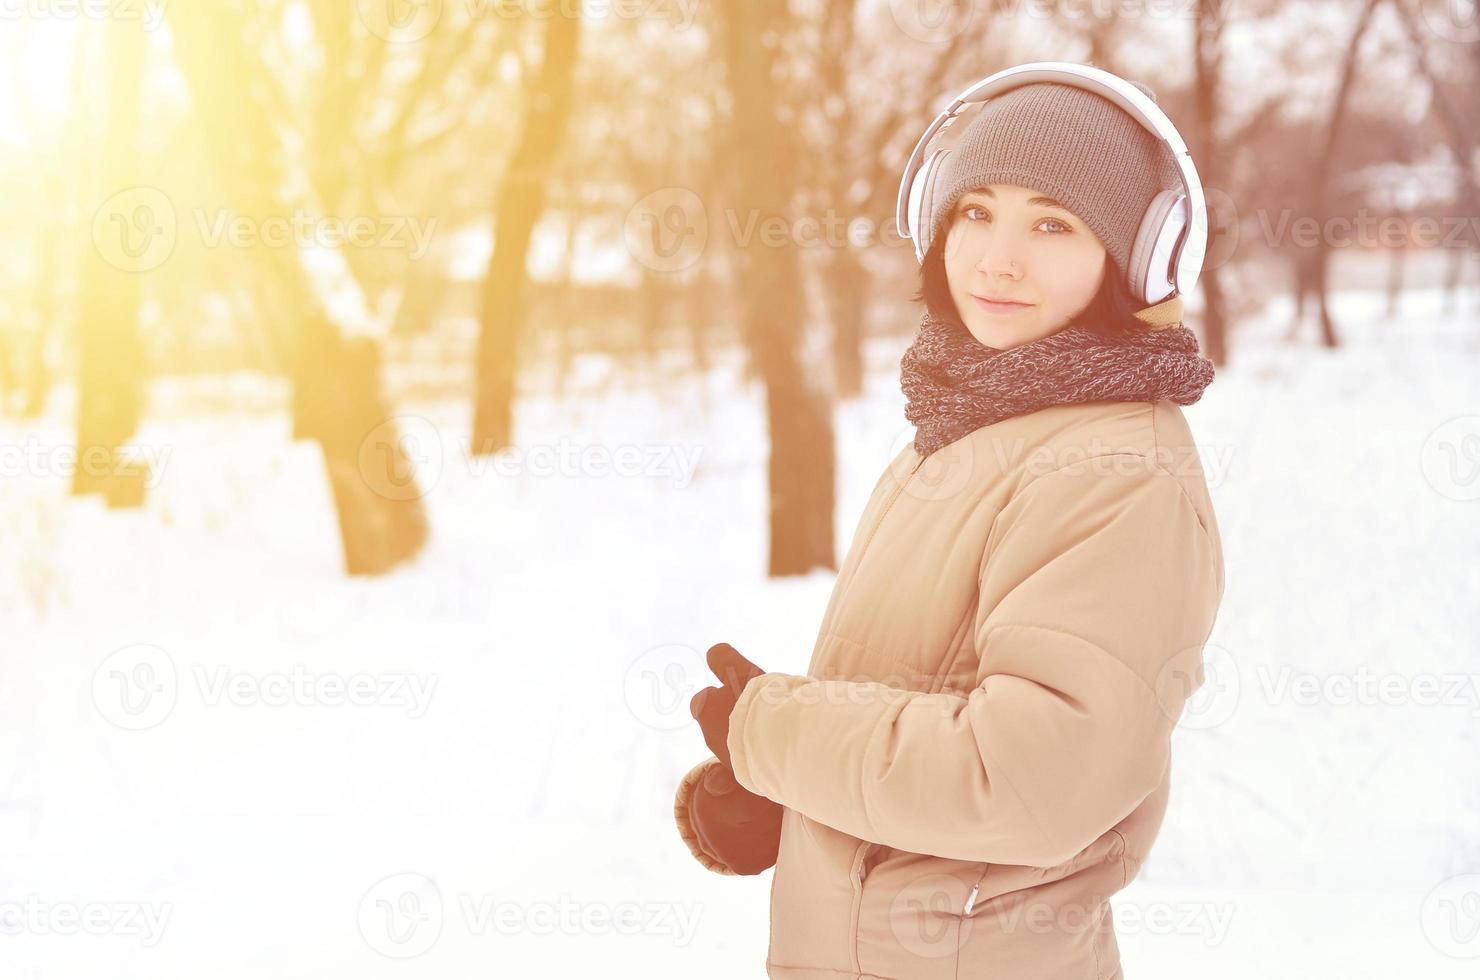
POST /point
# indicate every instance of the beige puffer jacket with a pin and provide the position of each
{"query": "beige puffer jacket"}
(979, 755)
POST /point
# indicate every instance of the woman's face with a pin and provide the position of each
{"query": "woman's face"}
(1011, 243)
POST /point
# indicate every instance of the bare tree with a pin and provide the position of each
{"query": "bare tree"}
(799, 419)
(110, 354)
(843, 273)
(858, 159)
(332, 363)
(1314, 265)
(1207, 57)
(520, 202)
(1457, 131)
(49, 195)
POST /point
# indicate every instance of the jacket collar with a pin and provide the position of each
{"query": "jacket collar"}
(1167, 313)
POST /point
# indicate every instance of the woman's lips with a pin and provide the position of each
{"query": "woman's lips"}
(993, 307)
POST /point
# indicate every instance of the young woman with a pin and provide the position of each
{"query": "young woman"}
(979, 754)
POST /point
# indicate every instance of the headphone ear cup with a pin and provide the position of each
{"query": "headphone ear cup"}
(922, 201)
(1152, 272)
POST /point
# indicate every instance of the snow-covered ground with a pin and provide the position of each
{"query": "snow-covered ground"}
(221, 758)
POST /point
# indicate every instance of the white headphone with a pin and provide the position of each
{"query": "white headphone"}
(1167, 255)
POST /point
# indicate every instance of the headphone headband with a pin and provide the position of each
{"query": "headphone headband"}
(1122, 93)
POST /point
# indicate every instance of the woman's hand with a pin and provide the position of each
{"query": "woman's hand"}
(711, 706)
(732, 823)
(728, 828)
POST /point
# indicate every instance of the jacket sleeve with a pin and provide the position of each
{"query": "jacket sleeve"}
(1097, 591)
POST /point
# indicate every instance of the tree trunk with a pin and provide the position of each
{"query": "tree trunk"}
(335, 379)
(110, 355)
(1453, 279)
(698, 306)
(1321, 173)
(520, 200)
(9, 375)
(1208, 63)
(1300, 286)
(846, 285)
(38, 373)
(1396, 256)
(847, 289)
(565, 310)
(651, 312)
(1457, 124)
(799, 418)
(1323, 297)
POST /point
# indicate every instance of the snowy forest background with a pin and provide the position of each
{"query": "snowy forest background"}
(397, 399)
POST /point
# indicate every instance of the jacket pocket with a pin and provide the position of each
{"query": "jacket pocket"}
(908, 920)
(870, 857)
(1106, 851)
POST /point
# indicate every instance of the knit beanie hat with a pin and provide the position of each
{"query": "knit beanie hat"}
(1075, 146)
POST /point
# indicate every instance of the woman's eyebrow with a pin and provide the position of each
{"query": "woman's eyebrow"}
(1047, 202)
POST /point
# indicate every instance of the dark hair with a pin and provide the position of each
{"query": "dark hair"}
(1112, 312)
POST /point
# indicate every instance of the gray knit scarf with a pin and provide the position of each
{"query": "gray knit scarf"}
(955, 384)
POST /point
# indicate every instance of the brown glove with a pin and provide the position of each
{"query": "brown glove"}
(728, 828)
(711, 707)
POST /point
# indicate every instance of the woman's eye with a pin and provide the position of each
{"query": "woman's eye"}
(1059, 227)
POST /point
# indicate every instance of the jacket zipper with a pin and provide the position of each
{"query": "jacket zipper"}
(853, 913)
(858, 863)
(897, 491)
(862, 852)
(971, 898)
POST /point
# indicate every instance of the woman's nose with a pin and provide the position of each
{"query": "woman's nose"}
(995, 262)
